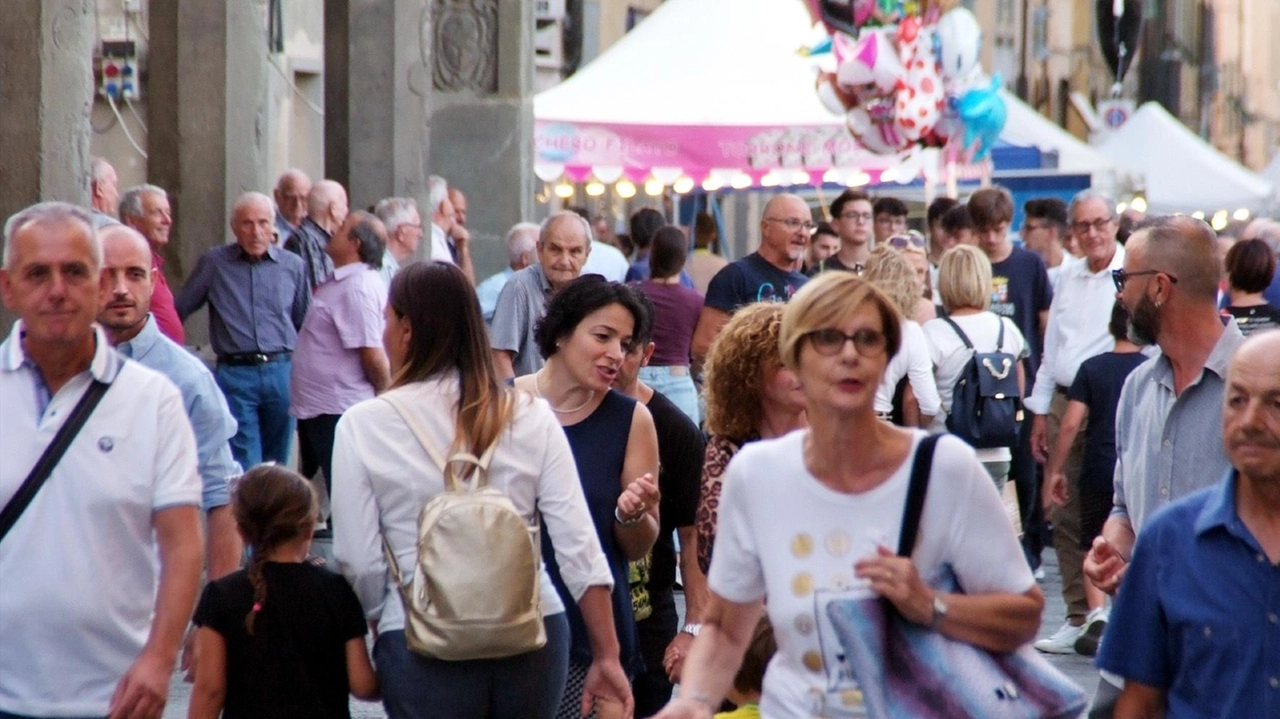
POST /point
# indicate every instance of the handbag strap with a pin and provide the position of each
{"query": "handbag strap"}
(916, 490)
(52, 455)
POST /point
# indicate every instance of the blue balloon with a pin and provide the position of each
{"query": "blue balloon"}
(984, 113)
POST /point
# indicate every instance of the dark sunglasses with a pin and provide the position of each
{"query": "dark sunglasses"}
(1120, 277)
(829, 342)
(909, 239)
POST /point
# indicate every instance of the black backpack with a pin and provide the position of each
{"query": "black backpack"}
(986, 407)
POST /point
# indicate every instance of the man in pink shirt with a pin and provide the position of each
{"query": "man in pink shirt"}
(338, 359)
(145, 208)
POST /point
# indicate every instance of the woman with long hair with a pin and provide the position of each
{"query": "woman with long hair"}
(442, 372)
(888, 270)
(589, 327)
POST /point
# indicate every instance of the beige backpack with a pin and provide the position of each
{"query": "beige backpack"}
(475, 590)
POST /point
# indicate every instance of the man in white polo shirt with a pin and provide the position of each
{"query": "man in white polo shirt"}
(1077, 330)
(90, 622)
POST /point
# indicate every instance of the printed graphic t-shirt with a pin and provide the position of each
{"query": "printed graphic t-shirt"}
(1020, 290)
(751, 279)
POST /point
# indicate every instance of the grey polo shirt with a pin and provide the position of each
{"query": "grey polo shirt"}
(1167, 445)
(521, 305)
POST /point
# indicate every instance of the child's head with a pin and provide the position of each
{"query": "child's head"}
(749, 681)
(272, 506)
(1119, 324)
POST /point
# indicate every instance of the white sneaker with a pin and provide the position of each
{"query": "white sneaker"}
(1090, 635)
(1062, 641)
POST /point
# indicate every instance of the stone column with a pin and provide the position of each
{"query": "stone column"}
(434, 87)
(46, 88)
(207, 121)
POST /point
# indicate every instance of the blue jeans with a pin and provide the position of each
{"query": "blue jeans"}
(526, 686)
(676, 384)
(258, 396)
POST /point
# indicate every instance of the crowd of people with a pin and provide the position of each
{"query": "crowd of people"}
(649, 417)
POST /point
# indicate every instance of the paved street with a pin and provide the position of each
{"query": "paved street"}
(1076, 667)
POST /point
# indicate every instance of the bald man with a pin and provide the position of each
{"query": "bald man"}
(768, 274)
(128, 284)
(1193, 627)
(1168, 428)
(326, 211)
(291, 193)
(258, 296)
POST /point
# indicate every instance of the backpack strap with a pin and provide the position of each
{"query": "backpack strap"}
(963, 337)
(479, 479)
(1000, 336)
(916, 490)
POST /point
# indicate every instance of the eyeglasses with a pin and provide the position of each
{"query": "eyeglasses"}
(829, 342)
(1120, 277)
(909, 240)
(1099, 224)
(856, 216)
(793, 224)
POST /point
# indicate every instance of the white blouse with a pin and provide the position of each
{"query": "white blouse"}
(382, 477)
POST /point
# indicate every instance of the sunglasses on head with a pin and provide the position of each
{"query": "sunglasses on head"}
(908, 240)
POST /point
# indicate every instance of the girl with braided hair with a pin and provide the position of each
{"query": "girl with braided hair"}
(282, 638)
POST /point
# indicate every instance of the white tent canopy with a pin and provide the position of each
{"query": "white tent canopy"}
(1182, 172)
(717, 87)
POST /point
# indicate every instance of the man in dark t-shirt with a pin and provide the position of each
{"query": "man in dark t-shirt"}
(680, 450)
(767, 275)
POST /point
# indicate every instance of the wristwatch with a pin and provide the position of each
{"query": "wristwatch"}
(692, 629)
(939, 611)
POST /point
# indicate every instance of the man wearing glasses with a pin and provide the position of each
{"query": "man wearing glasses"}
(767, 275)
(1044, 227)
(1076, 331)
(851, 216)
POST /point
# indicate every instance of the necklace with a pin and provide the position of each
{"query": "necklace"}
(537, 387)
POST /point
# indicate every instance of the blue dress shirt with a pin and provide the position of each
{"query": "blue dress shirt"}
(207, 409)
(254, 306)
(1198, 613)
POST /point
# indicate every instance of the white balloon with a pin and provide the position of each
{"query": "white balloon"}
(959, 43)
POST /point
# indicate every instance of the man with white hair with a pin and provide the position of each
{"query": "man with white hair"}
(403, 222)
(101, 566)
(564, 243)
(291, 193)
(445, 226)
(145, 208)
(104, 192)
(258, 296)
(326, 210)
(522, 241)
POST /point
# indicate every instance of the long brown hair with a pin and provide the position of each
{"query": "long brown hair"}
(448, 335)
(272, 506)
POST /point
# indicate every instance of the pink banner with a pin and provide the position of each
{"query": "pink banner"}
(698, 150)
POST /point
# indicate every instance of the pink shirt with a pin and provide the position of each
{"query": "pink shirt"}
(162, 304)
(345, 315)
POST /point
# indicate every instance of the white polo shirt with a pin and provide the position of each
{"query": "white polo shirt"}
(79, 570)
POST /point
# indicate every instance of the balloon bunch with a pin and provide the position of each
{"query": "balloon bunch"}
(907, 75)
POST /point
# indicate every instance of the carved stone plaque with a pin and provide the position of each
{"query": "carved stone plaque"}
(466, 45)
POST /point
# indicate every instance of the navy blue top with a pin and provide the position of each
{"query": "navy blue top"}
(751, 279)
(308, 242)
(599, 445)
(254, 306)
(1020, 290)
(1098, 383)
(1197, 612)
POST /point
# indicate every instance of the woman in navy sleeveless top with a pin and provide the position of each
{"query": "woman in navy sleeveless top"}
(584, 336)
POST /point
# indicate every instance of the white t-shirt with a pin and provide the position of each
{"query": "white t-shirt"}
(382, 477)
(949, 356)
(783, 535)
(912, 362)
(79, 570)
(607, 261)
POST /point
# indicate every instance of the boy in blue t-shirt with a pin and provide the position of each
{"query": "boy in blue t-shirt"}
(1093, 396)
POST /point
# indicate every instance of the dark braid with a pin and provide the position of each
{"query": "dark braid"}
(273, 506)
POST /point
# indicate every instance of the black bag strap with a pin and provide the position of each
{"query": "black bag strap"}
(964, 337)
(916, 490)
(52, 455)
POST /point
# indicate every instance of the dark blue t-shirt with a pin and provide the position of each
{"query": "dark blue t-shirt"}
(1098, 383)
(1020, 290)
(751, 279)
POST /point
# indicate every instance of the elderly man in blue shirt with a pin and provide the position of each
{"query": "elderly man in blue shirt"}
(1195, 630)
(258, 296)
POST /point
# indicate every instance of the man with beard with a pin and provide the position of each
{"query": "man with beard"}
(1168, 429)
(1205, 563)
(766, 275)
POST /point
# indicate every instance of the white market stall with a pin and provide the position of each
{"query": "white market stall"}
(1180, 171)
(714, 93)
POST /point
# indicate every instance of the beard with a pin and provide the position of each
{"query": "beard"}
(1144, 322)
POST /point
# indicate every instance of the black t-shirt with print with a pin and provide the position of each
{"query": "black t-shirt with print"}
(1020, 290)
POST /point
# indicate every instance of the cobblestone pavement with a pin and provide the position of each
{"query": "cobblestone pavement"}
(1079, 668)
